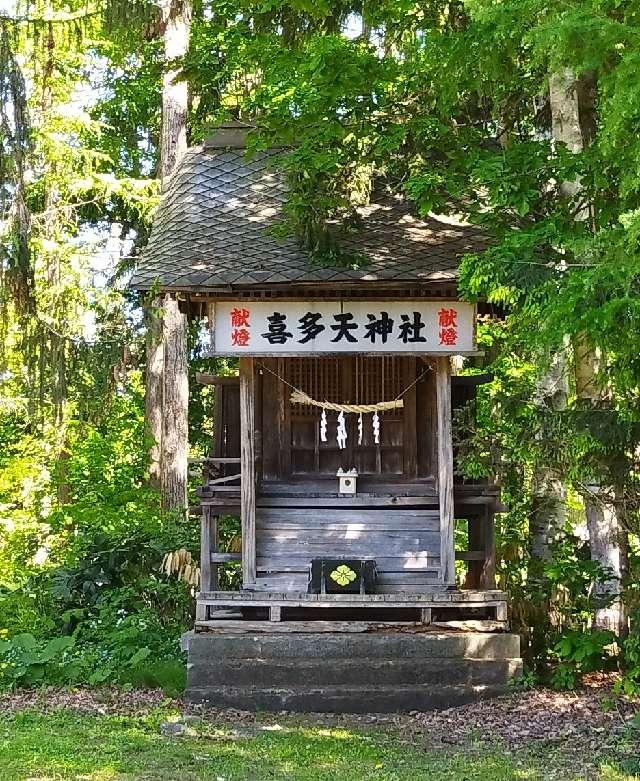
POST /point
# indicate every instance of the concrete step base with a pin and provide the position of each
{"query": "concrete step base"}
(347, 672)
(343, 699)
(352, 672)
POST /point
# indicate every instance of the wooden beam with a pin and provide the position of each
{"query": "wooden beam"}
(214, 379)
(445, 469)
(224, 558)
(248, 471)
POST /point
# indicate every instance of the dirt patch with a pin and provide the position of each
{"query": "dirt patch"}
(103, 701)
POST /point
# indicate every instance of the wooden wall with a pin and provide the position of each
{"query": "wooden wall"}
(405, 544)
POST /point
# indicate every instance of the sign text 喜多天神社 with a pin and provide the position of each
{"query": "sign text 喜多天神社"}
(305, 327)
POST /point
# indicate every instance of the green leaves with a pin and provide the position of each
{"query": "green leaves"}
(24, 660)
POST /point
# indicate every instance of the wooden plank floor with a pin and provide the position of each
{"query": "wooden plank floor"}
(439, 598)
(240, 626)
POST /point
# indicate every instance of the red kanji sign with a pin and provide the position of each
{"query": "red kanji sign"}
(287, 327)
(240, 337)
(239, 318)
(448, 318)
(449, 337)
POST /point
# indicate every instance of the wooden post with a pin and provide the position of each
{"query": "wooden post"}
(476, 543)
(445, 470)
(175, 407)
(248, 472)
(488, 573)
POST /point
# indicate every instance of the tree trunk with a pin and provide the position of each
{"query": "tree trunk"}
(609, 547)
(573, 117)
(176, 15)
(169, 469)
(175, 427)
(154, 380)
(549, 510)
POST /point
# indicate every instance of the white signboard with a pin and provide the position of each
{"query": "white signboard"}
(306, 327)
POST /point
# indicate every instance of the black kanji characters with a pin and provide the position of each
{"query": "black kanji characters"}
(309, 326)
(379, 327)
(343, 327)
(277, 333)
(409, 329)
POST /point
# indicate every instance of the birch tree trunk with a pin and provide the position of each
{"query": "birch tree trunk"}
(549, 510)
(573, 119)
(175, 405)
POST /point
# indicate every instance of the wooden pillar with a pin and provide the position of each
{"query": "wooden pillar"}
(445, 470)
(476, 543)
(175, 408)
(208, 545)
(488, 574)
(248, 472)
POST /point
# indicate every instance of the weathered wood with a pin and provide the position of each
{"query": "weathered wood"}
(202, 612)
(323, 486)
(388, 566)
(359, 500)
(475, 529)
(435, 594)
(353, 518)
(409, 421)
(445, 469)
(402, 545)
(213, 379)
(425, 615)
(417, 600)
(359, 525)
(470, 555)
(248, 470)
(207, 544)
(226, 626)
(488, 572)
(284, 421)
(220, 480)
(223, 558)
(175, 427)
(271, 436)
(214, 461)
(473, 625)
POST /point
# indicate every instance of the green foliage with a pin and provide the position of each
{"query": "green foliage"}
(83, 598)
(630, 682)
(25, 661)
(578, 653)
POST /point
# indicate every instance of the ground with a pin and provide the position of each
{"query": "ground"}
(112, 735)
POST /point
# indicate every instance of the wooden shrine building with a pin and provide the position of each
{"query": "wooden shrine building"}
(334, 442)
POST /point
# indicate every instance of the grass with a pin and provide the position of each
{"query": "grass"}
(64, 746)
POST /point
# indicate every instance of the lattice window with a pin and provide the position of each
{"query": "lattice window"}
(350, 380)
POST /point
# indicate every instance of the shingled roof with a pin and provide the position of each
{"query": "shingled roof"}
(212, 230)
